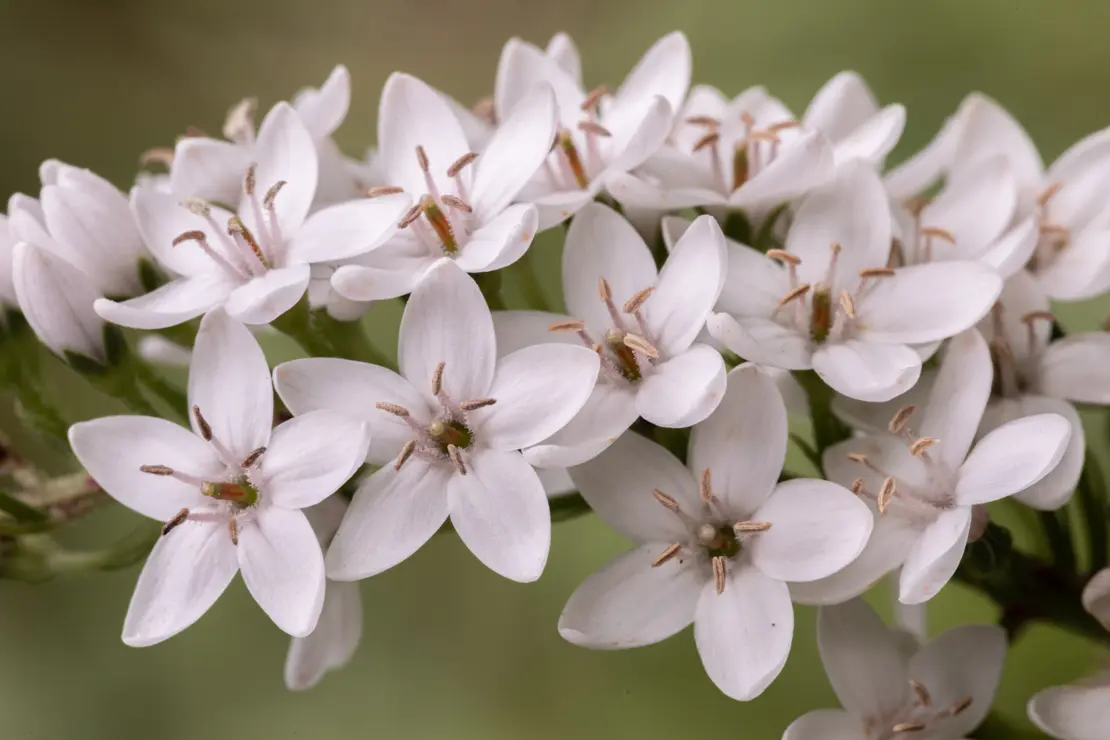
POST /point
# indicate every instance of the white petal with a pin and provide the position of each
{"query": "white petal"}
(618, 486)
(634, 144)
(688, 287)
(285, 152)
(229, 381)
(521, 68)
(926, 303)
(1083, 169)
(309, 457)
(683, 390)
(519, 329)
(538, 390)
(1012, 251)
(631, 603)
(963, 662)
(802, 166)
(392, 514)
(866, 370)
(1082, 269)
(666, 194)
(958, 398)
(186, 572)
(817, 528)
(353, 389)
(625, 263)
(874, 138)
(1012, 457)
(663, 70)
(161, 218)
(322, 110)
(862, 659)
(208, 169)
(754, 284)
(556, 207)
(987, 130)
(974, 209)
(517, 149)
(762, 340)
(348, 229)
(174, 303)
(743, 442)
(825, 724)
(921, 170)
(283, 568)
(744, 633)
(446, 320)
(57, 300)
(1072, 712)
(562, 51)
(392, 270)
(934, 557)
(113, 448)
(607, 414)
(841, 106)
(331, 644)
(264, 298)
(1096, 597)
(500, 511)
(500, 242)
(1076, 368)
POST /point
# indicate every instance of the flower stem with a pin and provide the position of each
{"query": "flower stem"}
(1092, 495)
(297, 324)
(490, 285)
(173, 397)
(1054, 525)
(350, 341)
(530, 284)
(827, 428)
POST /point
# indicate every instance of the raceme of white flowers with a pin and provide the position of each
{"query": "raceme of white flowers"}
(729, 268)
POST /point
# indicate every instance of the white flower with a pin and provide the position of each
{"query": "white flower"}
(599, 135)
(339, 629)
(845, 110)
(716, 540)
(213, 169)
(940, 692)
(830, 302)
(57, 300)
(924, 485)
(447, 431)
(83, 219)
(462, 209)
(7, 247)
(230, 491)
(256, 263)
(644, 324)
(1080, 711)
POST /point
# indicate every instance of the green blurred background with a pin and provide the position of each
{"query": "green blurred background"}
(450, 650)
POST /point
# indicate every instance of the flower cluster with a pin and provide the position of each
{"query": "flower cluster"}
(738, 280)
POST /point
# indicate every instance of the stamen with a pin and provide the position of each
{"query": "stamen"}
(457, 203)
(412, 215)
(886, 493)
(205, 428)
(707, 121)
(705, 486)
(633, 304)
(252, 458)
(422, 158)
(710, 139)
(565, 142)
(272, 194)
(1046, 195)
(907, 727)
(249, 179)
(156, 469)
(781, 255)
(177, 520)
(667, 554)
(1053, 228)
(746, 527)
(437, 379)
(783, 125)
(603, 290)
(873, 272)
(793, 294)
(857, 486)
(157, 155)
(380, 190)
(719, 574)
(1032, 316)
(392, 408)
(917, 449)
(857, 457)
(764, 136)
(959, 707)
(571, 325)
(478, 403)
(596, 129)
(639, 344)
(847, 304)
(594, 97)
(406, 453)
(239, 124)
(923, 696)
(459, 164)
(901, 416)
(439, 222)
(236, 227)
(939, 233)
(195, 132)
(667, 502)
(233, 530)
(195, 205)
(456, 458)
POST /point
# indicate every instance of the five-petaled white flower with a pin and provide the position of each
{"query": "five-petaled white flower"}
(717, 540)
(830, 302)
(256, 263)
(940, 692)
(642, 321)
(447, 431)
(924, 485)
(463, 208)
(230, 491)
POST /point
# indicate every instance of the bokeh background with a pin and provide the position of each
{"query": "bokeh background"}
(450, 650)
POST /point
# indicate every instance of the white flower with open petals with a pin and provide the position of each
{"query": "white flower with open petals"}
(643, 323)
(600, 135)
(255, 263)
(230, 491)
(716, 540)
(924, 483)
(464, 207)
(447, 431)
(940, 692)
(830, 302)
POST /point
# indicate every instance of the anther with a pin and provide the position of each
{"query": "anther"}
(747, 119)
(633, 304)
(156, 469)
(917, 449)
(456, 458)
(783, 125)
(707, 121)
(392, 408)
(205, 428)
(907, 727)
(857, 486)
(705, 486)
(901, 416)
(157, 155)
(1032, 316)
(781, 255)
(233, 530)
(594, 97)
(195, 205)
(667, 502)
(857, 457)
(639, 344)
(422, 158)
(719, 574)
(959, 707)
(478, 403)
(710, 139)
(1053, 227)
(252, 458)
(380, 190)
(589, 127)
(1048, 192)
(240, 119)
(770, 136)
(939, 233)
(249, 179)
(604, 292)
(886, 493)
(794, 294)
(460, 163)
(189, 236)
(177, 520)
(235, 226)
(437, 378)
(572, 325)
(872, 272)
(670, 552)
(747, 527)
(272, 194)
(457, 203)
(412, 215)
(922, 693)
(406, 453)
(847, 304)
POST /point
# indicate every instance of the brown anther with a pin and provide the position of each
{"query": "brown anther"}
(392, 408)
(633, 304)
(922, 693)
(195, 205)
(240, 118)
(959, 707)
(857, 457)
(485, 109)
(272, 194)
(639, 344)
(746, 527)
(781, 255)
(437, 378)
(422, 158)
(156, 469)
(857, 486)
(667, 501)
(380, 190)
(205, 428)
(847, 304)
(189, 236)
(917, 449)
(589, 127)
(249, 179)
(907, 727)
(747, 118)
(233, 530)
(1030, 317)
(670, 552)
(764, 136)
(456, 458)
(707, 121)
(710, 139)
(195, 132)
(235, 225)
(871, 272)
(719, 573)
(406, 453)
(477, 403)
(705, 486)
(252, 458)
(783, 125)
(594, 97)
(570, 325)
(604, 292)
(1053, 228)
(458, 165)
(157, 155)
(412, 215)
(943, 234)
(901, 416)
(886, 493)
(457, 203)
(1047, 193)
(795, 293)
(177, 520)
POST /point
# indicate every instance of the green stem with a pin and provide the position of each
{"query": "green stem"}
(350, 341)
(530, 284)
(1092, 495)
(21, 511)
(996, 728)
(490, 285)
(38, 558)
(1054, 526)
(765, 237)
(174, 397)
(827, 428)
(297, 324)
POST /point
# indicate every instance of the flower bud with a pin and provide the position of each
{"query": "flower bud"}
(7, 244)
